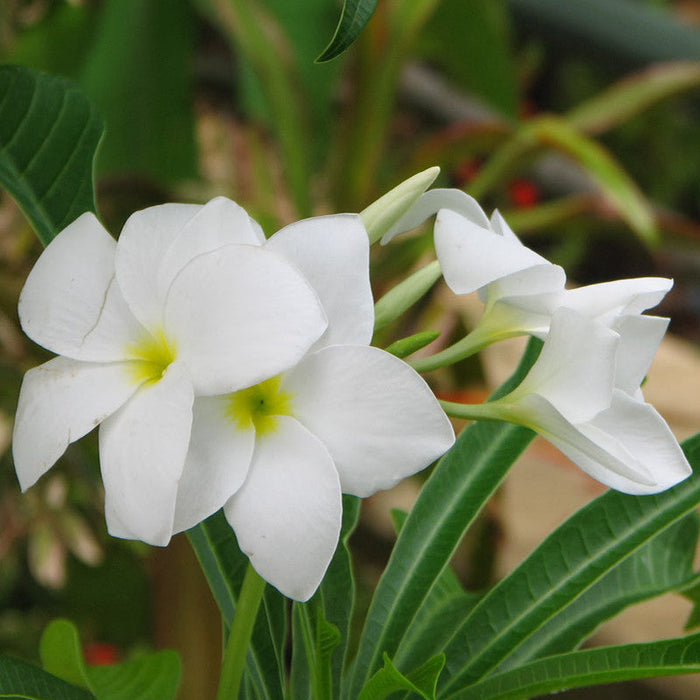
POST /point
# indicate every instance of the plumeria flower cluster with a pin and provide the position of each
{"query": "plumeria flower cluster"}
(225, 370)
(583, 393)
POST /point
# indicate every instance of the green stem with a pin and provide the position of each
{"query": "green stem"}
(239, 637)
(472, 343)
(491, 410)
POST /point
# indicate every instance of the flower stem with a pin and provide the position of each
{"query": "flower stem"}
(491, 410)
(477, 340)
(239, 637)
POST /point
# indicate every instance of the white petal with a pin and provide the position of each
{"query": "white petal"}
(375, 414)
(628, 447)
(472, 256)
(69, 304)
(430, 203)
(59, 402)
(594, 451)
(146, 236)
(219, 222)
(640, 337)
(576, 368)
(639, 429)
(217, 462)
(142, 453)
(611, 299)
(239, 315)
(332, 252)
(527, 287)
(287, 514)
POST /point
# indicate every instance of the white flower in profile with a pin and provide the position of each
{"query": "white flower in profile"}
(582, 394)
(347, 418)
(186, 303)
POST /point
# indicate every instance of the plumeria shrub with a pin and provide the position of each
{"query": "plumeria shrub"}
(238, 397)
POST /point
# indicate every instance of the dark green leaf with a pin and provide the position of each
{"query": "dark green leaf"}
(662, 565)
(390, 680)
(591, 667)
(49, 132)
(337, 590)
(565, 565)
(353, 18)
(19, 679)
(225, 565)
(460, 485)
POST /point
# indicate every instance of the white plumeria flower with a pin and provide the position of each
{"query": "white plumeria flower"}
(575, 397)
(187, 303)
(348, 418)
(520, 289)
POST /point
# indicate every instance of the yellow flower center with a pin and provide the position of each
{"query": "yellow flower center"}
(152, 356)
(259, 406)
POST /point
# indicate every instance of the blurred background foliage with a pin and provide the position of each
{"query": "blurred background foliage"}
(578, 120)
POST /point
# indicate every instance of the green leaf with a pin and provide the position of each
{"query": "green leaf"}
(49, 132)
(662, 565)
(19, 679)
(591, 667)
(138, 74)
(407, 346)
(62, 655)
(632, 96)
(224, 565)
(337, 590)
(462, 482)
(389, 679)
(565, 565)
(353, 18)
(152, 677)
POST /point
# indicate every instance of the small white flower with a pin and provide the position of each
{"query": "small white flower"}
(347, 418)
(186, 303)
(581, 395)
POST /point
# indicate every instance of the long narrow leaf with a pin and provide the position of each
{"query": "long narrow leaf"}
(662, 565)
(224, 565)
(591, 667)
(567, 563)
(451, 499)
(49, 133)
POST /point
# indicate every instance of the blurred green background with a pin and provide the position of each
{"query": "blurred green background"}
(578, 120)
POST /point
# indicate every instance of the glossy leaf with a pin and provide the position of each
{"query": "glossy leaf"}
(224, 565)
(662, 565)
(462, 482)
(390, 680)
(632, 96)
(49, 132)
(353, 18)
(18, 679)
(590, 667)
(574, 557)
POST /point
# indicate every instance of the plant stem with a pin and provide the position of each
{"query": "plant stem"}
(239, 637)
